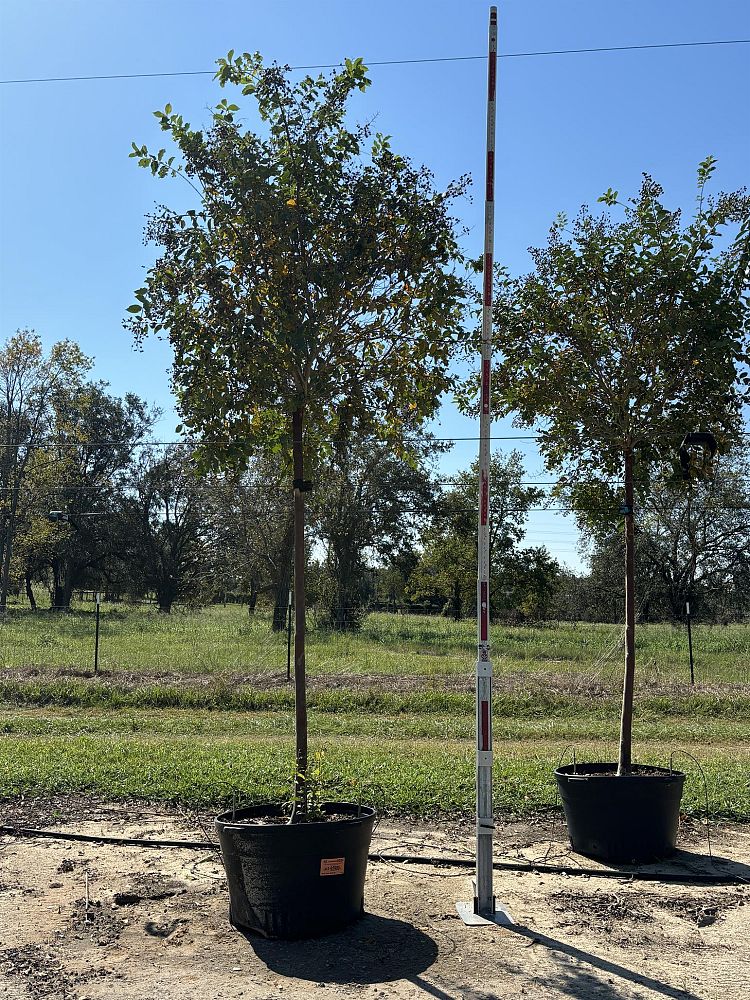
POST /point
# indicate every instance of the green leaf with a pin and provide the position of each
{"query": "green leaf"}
(135, 308)
(609, 197)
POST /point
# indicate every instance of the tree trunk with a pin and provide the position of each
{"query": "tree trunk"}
(626, 719)
(61, 595)
(8, 548)
(165, 595)
(300, 692)
(30, 590)
(341, 610)
(284, 578)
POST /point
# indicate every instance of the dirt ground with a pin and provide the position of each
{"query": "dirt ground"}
(83, 921)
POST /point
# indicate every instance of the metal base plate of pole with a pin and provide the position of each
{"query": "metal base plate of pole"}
(498, 916)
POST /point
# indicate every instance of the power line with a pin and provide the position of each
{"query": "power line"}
(51, 443)
(394, 62)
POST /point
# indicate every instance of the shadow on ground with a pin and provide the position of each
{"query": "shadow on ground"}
(684, 864)
(372, 950)
(572, 972)
(690, 862)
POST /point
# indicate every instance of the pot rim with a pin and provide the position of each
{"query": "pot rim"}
(228, 821)
(603, 770)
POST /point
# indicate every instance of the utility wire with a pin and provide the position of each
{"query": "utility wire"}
(51, 443)
(395, 62)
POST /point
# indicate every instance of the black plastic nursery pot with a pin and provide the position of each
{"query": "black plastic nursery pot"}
(625, 819)
(295, 881)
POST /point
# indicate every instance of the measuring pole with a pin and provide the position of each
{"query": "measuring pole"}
(690, 642)
(484, 901)
(484, 906)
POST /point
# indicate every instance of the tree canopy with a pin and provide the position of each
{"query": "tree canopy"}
(629, 332)
(317, 272)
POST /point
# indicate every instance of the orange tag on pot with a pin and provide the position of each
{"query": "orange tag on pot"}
(332, 866)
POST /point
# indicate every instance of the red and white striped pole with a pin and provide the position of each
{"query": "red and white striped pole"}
(484, 899)
(483, 909)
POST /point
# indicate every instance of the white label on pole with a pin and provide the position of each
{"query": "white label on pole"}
(98, 598)
(687, 607)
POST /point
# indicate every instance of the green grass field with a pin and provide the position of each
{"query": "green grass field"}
(194, 708)
(226, 640)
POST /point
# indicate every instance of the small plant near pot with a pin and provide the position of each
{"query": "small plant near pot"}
(628, 333)
(317, 293)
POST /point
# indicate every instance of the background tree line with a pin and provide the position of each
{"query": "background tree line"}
(136, 520)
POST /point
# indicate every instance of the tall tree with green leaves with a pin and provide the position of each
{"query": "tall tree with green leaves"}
(94, 443)
(169, 514)
(30, 380)
(447, 568)
(317, 274)
(253, 534)
(629, 332)
(367, 510)
(692, 543)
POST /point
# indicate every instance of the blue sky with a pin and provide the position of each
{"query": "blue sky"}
(72, 204)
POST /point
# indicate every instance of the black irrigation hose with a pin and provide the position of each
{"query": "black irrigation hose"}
(541, 869)
(89, 838)
(510, 866)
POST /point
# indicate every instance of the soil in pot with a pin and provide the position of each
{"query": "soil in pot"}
(623, 819)
(300, 880)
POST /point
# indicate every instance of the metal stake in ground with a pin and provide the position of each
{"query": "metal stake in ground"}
(96, 639)
(289, 638)
(482, 909)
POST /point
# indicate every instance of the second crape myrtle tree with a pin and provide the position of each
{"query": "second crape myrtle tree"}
(629, 332)
(318, 275)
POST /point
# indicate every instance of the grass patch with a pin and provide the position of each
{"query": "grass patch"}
(185, 712)
(220, 639)
(532, 703)
(671, 732)
(410, 777)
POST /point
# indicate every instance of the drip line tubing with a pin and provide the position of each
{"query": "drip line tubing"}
(698, 878)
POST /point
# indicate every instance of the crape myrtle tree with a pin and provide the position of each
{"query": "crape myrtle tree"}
(317, 274)
(630, 331)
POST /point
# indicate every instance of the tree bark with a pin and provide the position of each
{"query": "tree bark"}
(626, 718)
(8, 548)
(62, 594)
(300, 693)
(30, 590)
